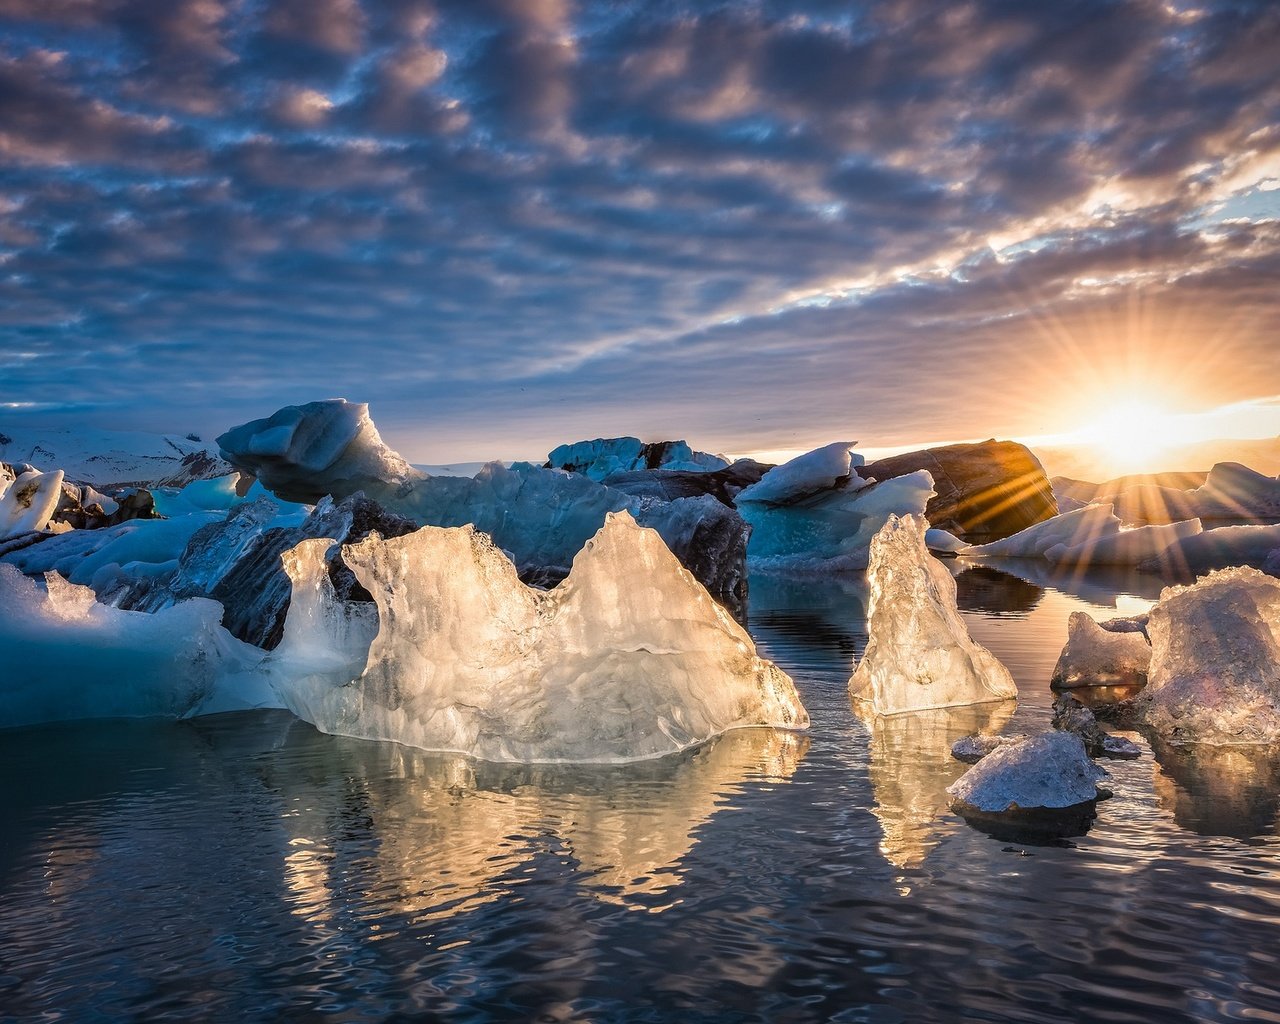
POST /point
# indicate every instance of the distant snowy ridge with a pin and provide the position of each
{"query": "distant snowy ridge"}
(103, 458)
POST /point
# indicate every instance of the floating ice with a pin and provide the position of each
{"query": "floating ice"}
(1126, 547)
(629, 658)
(1219, 548)
(943, 543)
(815, 510)
(920, 654)
(605, 456)
(1096, 656)
(1215, 660)
(304, 452)
(831, 466)
(542, 517)
(68, 657)
(1089, 525)
(29, 502)
(1040, 773)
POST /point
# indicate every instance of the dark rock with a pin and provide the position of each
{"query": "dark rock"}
(989, 490)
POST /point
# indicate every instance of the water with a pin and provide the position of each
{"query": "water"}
(248, 868)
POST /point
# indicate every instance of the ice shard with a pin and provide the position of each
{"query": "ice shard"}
(920, 654)
(628, 658)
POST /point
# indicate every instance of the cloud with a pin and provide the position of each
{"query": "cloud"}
(760, 223)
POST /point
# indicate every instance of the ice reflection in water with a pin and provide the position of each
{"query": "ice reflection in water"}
(911, 766)
(624, 828)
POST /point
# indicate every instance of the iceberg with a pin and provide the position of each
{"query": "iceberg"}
(1097, 656)
(69, 657)
(817, 511)
(1085, 526)
(29, 502)
(605, 456)
(920, 654)
(1215, 661)
(1219, 548)
(303, 452)
(629, 658)
(541, 517)
(1126, 547)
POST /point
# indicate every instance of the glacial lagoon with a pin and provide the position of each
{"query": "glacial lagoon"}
(247, 867)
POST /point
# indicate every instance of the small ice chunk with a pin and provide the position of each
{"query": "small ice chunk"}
(972, 749)
(29, 502)
(604, 456)
(628, 658)
(1215, 660)
(1087, 525)
(1095, 656)
(920, 654)
(1046, 772)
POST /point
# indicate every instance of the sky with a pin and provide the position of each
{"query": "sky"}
(757, 225)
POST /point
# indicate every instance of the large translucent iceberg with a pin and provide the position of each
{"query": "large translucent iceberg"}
(920, 654)
(816, 511)
(1215, 660)
(67, 656)
(628, 658)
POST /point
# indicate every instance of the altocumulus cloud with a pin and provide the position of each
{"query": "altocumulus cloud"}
(506, 222)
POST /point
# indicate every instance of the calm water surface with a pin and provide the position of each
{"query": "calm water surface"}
(248, 868)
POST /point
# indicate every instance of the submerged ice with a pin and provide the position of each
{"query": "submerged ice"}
(628, 658)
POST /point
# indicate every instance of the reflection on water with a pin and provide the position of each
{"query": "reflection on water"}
(248, 868)
(625, 828)
(1219, 791)
(911, 766)
(980, 588)
(1099, 585)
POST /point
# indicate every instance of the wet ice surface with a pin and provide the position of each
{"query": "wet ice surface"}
(247, 867)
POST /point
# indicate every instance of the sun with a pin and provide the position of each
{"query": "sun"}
(1133, 437)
